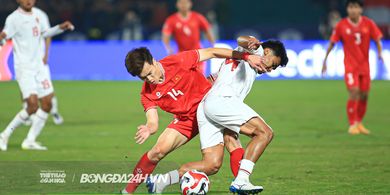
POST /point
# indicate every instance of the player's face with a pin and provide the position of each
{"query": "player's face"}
(26, 5)
(151, 73)
(270, 61)
(183, 5)
(354, 10)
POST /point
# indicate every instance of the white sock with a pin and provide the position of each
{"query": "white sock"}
(246, 168)
(38, 122)
(16, 122)
(54, 103)
(167, 179)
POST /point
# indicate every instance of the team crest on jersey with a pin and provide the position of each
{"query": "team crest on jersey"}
(176, 79)
(348, 31)
(158, 94)
(178, 25)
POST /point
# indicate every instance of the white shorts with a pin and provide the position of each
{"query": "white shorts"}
(216, 113)
(34, 82)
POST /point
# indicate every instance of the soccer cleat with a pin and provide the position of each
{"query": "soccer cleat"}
(353, 130)
(57, 118)
(3, 142)
(363, 129)
(242, 187)
(32, 145)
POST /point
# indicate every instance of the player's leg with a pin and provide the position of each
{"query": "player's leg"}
(28, 88)
(168, 141)
(45, 94)
(235, 115)
(352, 82)
(234, 147)
(211, 141)
(57, 118)
(27, 122)
(365, 82)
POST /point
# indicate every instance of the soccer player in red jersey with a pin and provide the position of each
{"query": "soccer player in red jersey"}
(176, 86)
(186, 26)
(355, 33)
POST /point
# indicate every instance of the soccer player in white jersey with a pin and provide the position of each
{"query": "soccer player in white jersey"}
(57, 118)
(26, 29)
(224, 108)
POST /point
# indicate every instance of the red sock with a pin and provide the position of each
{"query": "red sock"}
(235, 158)
(144, 167)
(361, 111)
(352, 106)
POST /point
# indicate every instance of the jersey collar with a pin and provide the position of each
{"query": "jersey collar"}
(355, 24)
(24, 12)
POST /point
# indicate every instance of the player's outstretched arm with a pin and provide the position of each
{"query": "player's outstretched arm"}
(253, 60)
(330, 47)
(58, 29)
(150, 128)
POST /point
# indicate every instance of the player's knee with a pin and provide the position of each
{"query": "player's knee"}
(32, 106)
(213, 166)
(354, 94)
(263, 132)
(157, 153)
(46, 106)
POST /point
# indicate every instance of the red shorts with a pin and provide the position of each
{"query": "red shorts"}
(186, 126)
(356, 80)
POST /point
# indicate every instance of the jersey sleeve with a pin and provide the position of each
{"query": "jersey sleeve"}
(188, 59)
(203, 23)
(10, 27)
(375, 33)
(145, 101)
(336, 34)
(167, 27)
(45, 24)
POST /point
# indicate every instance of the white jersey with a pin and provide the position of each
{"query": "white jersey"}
(25, 28)
(235, 81)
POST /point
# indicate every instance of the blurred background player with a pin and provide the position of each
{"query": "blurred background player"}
(26, 28)
(355, 32)
(176, 86)
(57, 118)
(186, 26)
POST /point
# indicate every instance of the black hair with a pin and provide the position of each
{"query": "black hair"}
(359, 2)
(135, 60)
(279, 50)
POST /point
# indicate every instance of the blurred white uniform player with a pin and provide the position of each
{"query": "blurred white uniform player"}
(27, 29)
(57, 118)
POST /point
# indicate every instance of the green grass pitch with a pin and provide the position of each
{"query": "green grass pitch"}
(311, 152)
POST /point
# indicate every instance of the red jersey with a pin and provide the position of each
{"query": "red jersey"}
(182, 89)
(356, 42)
(186, 31)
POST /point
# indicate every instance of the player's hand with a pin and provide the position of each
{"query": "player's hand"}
(142, 134)
(45, 59)
(67, 26)
(253, 43)
(255, 62)
(323, 71)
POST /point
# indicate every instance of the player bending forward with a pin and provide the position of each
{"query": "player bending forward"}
(224, 108)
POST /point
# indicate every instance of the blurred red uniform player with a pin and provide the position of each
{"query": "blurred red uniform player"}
(176, 86)
(186, 26)
(355, 33)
